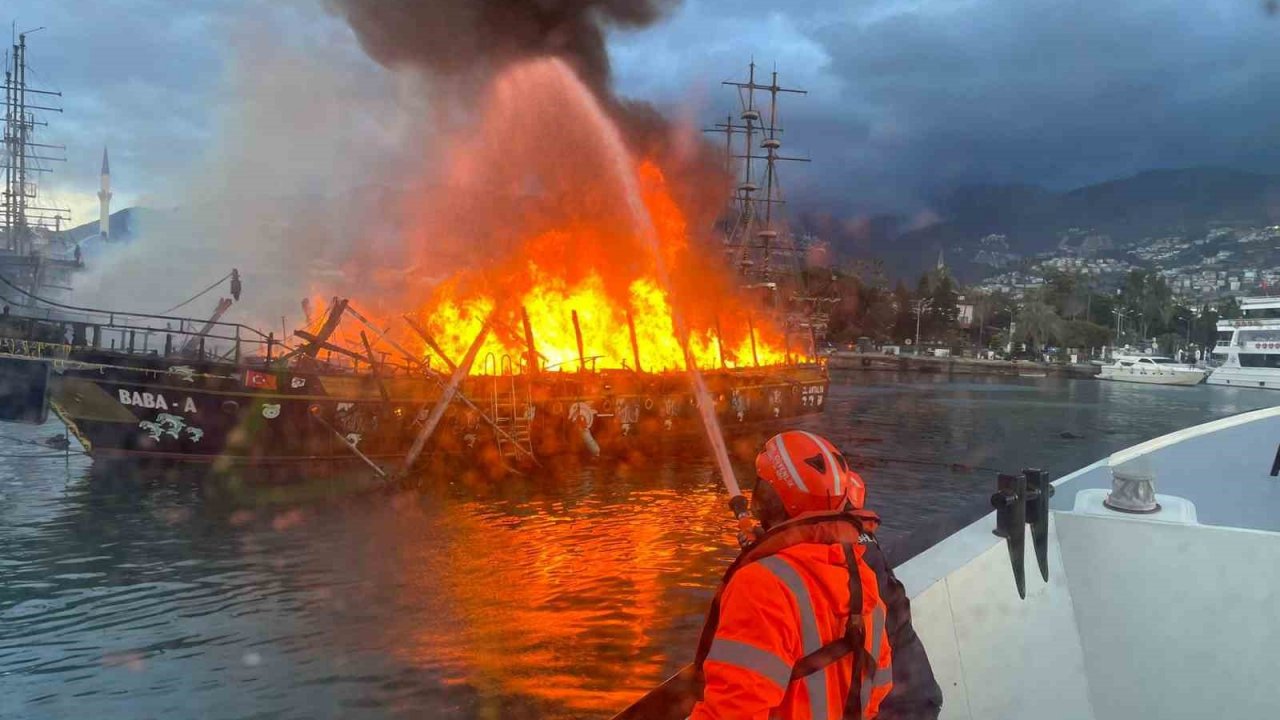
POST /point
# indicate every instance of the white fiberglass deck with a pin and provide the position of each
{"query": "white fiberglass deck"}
(1170, 615)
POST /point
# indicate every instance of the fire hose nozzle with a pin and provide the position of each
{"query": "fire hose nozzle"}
(748, 531)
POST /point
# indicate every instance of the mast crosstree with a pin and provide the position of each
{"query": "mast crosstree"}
(32, 253)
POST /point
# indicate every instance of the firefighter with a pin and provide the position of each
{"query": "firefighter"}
(780, 640)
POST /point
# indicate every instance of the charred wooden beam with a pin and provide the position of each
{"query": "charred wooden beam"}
(528, 341)
(635, 344)
(198, 339)
(314, 340)
(446, 397)
(720, 344)
(321, 338)
(430, 341)
(373, 368)
(577, 331)
(315, 415)
(382, 335)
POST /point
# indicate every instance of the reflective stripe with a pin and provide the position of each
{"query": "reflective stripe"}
(786, 460)
(877, 629)
(831, 461)
(815, 683)
(750, 657)
(882, 676)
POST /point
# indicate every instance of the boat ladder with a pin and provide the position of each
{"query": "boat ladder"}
(512, 412)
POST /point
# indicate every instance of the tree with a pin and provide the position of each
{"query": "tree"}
(877, 312)
(1157, 306)
(1039, 323)
(940, 317)
(1148, 301)
(1101, 309)
(1169, 343)
(1204, 327)
(992, 313)
(904, 322)
(1084, 334)
(1067, 293)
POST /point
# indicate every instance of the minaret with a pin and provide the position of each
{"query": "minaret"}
(104, 198)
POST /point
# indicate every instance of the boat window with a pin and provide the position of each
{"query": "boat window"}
(1148, 361)
(1126, 363)
(1259, 336)
(1224, 336)
(1267, 360)
(1164, 361)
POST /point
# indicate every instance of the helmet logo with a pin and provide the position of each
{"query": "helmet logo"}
(817, 463)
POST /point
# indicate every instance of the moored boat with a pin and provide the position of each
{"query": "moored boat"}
(228, 393)
(1151, 370)
(1249, 347)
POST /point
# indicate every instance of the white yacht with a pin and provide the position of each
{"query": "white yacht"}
(1149, 588)
(1249, 348)
(1152, 370)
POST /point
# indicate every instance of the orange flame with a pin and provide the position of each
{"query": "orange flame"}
(549, 280)
(551, 215)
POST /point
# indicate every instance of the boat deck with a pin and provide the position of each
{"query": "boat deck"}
(1136, 618)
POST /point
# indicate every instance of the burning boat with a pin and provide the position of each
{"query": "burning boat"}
(603, 330)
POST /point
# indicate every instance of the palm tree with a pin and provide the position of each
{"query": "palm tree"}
(1157, 303)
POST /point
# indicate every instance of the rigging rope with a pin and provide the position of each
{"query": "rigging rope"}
(197, 295)
(114, 313)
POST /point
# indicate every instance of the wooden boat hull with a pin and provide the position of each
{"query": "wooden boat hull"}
(129, 408)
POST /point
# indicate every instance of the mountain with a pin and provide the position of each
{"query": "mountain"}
(124, 226)
(1112, 214)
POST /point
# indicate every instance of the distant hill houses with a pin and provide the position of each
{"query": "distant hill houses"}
(992, 227)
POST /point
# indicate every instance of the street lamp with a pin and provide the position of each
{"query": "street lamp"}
(1120, 313)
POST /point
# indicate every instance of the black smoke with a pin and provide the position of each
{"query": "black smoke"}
(463, 38)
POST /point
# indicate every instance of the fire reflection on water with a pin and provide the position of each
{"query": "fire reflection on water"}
(131, 594)
(568, 604)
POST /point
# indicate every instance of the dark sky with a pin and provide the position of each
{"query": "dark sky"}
(906, 98)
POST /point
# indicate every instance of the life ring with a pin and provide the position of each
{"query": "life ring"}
(648, 403)
(582, 415)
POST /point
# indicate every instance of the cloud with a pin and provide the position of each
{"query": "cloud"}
(910, 97)
(296, 134)
(906, 97)
(135, 76)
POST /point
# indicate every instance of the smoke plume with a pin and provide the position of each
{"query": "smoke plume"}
(465, 38)
(294, 186)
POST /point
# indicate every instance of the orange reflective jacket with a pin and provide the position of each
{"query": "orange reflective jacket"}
(780, 641)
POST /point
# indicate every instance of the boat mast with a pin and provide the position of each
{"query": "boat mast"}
(751, 238)
(752, 241)
(22, 218)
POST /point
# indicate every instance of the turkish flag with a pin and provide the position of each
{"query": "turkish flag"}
(260, 380)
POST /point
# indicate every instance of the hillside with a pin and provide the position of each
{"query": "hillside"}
(1112, 215)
